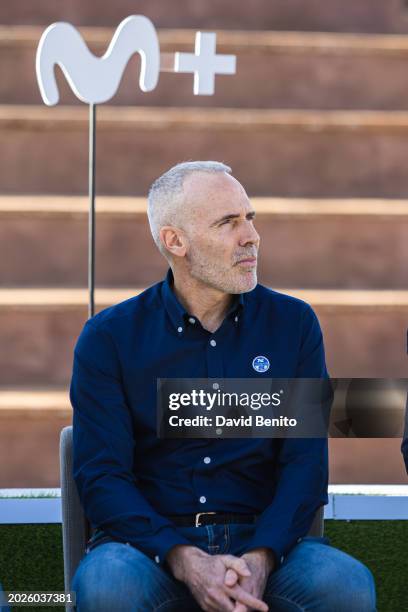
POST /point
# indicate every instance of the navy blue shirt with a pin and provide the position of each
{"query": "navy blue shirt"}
(129, 481)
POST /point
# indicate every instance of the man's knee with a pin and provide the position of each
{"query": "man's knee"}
(343, 583)
(359, 581)
(117, 577)
(321, 577)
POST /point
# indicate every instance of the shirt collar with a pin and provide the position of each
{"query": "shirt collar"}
(179, 315)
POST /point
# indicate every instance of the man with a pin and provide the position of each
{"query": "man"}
(210, 524)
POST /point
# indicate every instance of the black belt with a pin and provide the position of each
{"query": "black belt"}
(211, 518)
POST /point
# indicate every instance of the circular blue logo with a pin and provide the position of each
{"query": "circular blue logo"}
(261, 363)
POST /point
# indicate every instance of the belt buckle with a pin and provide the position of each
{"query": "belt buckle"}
(197, 517)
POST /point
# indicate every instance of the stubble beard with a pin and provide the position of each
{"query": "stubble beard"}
(231, 279)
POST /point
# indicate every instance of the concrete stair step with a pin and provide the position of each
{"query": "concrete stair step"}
(30, 424)
(36, 416)
(365, 331)
(325, 15)
(322, 243)
(275, 70)
(287, 153)
(35, 403)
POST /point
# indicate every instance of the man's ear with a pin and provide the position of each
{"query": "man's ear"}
(174, 240)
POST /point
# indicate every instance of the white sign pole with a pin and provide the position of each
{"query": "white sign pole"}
(95, 80)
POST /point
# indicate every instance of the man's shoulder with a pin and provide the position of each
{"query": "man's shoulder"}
(141, 304)
(270, 298)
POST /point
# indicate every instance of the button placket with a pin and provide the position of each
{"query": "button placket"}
(215, 367)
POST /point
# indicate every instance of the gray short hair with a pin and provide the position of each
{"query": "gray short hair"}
(166, 195)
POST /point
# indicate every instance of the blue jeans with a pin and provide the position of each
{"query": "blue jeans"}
(3, 606)
(314, 576)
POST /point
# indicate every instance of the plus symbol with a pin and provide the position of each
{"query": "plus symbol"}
(204, 63)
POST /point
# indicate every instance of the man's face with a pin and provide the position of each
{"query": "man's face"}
(223, 243)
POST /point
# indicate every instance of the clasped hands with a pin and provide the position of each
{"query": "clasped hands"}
(223, 583)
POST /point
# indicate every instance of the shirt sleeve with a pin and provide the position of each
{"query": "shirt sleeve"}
(103, 445)
(302, 468)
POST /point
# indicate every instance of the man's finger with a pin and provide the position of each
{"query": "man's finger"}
(239, 607)
(222, 602)
(231, 577)
(246, 598)
(238, 564)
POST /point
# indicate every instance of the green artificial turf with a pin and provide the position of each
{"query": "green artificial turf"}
(31, 560)
(31, 557)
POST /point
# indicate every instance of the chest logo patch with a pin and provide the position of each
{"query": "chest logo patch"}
(261, 364)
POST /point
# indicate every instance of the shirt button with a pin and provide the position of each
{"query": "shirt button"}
(299, 540)
(216, 386)
(192, 320)
(218, 431)
(203, 499)
(282, 559)
(236, 319)
(157, 559)
(207, 459)
(213, 343)
(179, 329)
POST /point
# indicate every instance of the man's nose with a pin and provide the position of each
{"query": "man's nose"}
(249, 235)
